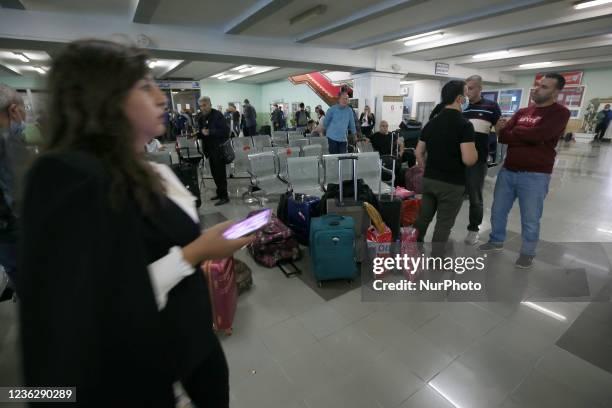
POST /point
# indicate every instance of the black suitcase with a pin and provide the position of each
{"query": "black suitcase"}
(188, 174)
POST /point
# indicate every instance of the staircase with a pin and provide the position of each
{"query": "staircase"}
(321, 86)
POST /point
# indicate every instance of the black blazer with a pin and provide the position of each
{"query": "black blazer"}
(88, 313)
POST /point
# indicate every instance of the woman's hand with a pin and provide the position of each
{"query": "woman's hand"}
(213, 245)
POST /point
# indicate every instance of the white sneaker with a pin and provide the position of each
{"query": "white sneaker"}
(471, 238)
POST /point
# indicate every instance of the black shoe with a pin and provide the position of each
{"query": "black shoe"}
(524, 262)
(222, 201)
(214, 198)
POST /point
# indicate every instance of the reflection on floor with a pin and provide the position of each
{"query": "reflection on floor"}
(296, 346)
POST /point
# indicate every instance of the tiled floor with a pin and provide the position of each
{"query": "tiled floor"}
(293, 348)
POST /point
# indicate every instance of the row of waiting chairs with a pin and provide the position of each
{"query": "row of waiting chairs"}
(310, 175)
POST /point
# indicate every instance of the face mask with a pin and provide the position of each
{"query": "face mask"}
(465, 104)
(17, 128)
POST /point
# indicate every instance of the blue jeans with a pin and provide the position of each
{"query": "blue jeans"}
(336, 147)
(530, 189)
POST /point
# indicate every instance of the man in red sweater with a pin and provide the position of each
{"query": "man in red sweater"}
(531, 135)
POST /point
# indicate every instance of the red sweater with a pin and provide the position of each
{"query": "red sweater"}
(532, 135)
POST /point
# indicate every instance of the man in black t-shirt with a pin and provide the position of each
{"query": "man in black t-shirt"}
(445, 148)
(483, 114)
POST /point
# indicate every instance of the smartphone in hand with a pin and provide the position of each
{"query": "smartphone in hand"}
(249, 225)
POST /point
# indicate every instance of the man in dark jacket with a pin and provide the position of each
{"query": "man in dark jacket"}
(249, 117)
(276, 117)
(302, 117)
(213, 132)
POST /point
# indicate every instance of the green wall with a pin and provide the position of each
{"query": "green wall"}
(20, 82)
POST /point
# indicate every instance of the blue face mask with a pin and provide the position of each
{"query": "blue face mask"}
(465, 104)
(17, 128)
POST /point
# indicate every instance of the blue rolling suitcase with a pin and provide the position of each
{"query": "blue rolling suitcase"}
(332, 248)
(301, 209)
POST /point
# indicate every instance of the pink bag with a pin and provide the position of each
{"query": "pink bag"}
(402, 193)
(414, 179)
(223, 292)
(379, 244)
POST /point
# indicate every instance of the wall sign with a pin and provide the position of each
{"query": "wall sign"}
(178, 84)
(571, 77)
(490, 95)
(509, 100)
(442, 68)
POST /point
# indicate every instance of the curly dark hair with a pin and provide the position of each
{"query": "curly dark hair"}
(89, 82)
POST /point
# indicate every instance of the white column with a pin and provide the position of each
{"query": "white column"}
(370, 87)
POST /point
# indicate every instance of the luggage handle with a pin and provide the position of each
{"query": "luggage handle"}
(296, 270)
(392, 171)
(353, 158)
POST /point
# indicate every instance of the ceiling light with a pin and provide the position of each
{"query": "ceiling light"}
(21, 57)
(225, 76)
(152, 64)
(535, 64)
(246, 69)
(492, 55)
(39, 70)
(545, 311)
(421, 38)
(240, 67)
(592, 3)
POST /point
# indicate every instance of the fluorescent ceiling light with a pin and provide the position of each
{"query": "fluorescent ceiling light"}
(152, 64)
(39, 70)
(545, 311)
(240, 67)
(492, 55)
(247, 69)
(593, 3)
(217, 75)
(422, 38)
(535, 64)
(224, 76)
(439, 391)
(21, 57)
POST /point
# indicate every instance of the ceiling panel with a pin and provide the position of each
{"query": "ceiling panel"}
(555, 56)
(107, 7)
(199, 69)
(201, 13)
(12, 64)
(275, 75)
(421, 14)
(511, 41)
(277, 24)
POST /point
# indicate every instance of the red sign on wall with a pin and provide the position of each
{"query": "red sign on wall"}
(571, 78)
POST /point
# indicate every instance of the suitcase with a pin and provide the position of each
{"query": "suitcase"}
(332, 248)
(301, 209)
(351, 208)
(410, 211)
(223, 292)
(188, 174)
(389, 206)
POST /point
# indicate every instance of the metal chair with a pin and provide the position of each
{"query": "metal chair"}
(298, 142)
(320, 141)
(310, 150)
(279, 138)
(188, 149)
(294, 135)
(304, 174)
(369, 168)
(162, 156)
(363, 147)
(282, 154)
(264, 175)
(330, 170)
(261, 141)
(244, 144)
(240, 165)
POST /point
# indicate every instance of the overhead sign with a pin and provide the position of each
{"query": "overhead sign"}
(178, 84)
(571, 77)
(442, 68)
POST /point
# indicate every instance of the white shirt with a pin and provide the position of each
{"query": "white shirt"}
(168, 271)
(153, 146)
